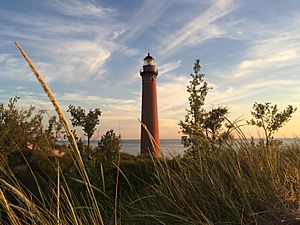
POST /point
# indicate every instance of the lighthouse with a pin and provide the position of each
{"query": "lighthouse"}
(149, 129)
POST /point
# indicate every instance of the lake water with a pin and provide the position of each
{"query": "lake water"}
(168, 146)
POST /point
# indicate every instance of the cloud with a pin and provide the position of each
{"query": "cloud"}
(118, 33)
(80, 8)
(12, 68)
(276, 46)
(54, 50)
(129, 52)
(163, 70)
(272, 83)
(267, 66)
(172, 101)
(72, 50)
(79, 60)
(231, 94)
(38, 27)
(146, 16)
(169, 67)
(272, 55)
(113, 108)
(118, 114)
(201, 28)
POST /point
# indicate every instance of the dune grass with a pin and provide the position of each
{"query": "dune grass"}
(232, 186)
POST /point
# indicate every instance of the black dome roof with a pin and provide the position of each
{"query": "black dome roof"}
(148, 57)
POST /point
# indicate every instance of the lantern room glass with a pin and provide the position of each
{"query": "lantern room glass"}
(149, 62)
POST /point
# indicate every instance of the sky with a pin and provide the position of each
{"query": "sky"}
(90, 53)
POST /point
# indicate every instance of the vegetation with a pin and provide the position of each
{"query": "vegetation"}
(87, 121)
(108, 150)
(267, 117)
(238, 184)
(23, 129)
(203, 130)
(248, 186)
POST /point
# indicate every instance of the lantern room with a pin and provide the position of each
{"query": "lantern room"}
(148, 60)
(149, 67)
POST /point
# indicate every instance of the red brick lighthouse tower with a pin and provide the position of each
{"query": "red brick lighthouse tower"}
(149, 109)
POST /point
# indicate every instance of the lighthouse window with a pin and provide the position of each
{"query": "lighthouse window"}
(148, 62)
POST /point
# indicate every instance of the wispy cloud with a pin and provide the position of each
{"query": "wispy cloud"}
(200, 28)
(12, 68)
(232, 94)
(172, 98)
(80, 8)
(75, 50)
(149, 12)
(272, 54)
(113, 108)
(168, 67)
(275, 47)
(61, 54)
(163, 70)
(268, 64)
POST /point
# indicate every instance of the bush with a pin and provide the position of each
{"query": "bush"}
(22, 129)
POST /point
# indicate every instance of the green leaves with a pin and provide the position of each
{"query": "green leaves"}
(22, 129)
(87, 121)
(267, 117)
(78, 115)
(202, 129)
(108, 149)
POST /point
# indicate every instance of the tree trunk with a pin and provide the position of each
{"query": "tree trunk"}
(88, 144)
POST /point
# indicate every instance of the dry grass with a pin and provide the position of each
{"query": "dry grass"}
(248, 185)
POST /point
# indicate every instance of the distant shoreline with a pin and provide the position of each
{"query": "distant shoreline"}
(178, 139)
(168, 147)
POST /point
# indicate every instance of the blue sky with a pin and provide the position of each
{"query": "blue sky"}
(90, 52)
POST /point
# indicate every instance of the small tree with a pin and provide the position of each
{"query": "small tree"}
(267, 117)
(201, 129)
(55, 129)
(214, 121)
(87, 121)
(107, 150)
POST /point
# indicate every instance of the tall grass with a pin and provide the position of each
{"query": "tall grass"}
(252, 185)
